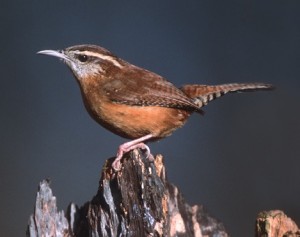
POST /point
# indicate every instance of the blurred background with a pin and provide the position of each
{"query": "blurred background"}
(241, 158)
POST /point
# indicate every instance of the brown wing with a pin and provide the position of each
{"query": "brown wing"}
(143, 88)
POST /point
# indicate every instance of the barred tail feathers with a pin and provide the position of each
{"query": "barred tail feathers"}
(202, 94)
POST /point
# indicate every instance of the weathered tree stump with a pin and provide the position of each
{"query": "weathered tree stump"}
(275, 224)
(139, 201)
(136, 201)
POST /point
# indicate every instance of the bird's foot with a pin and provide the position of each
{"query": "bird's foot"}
(128, 146)
(124, 148)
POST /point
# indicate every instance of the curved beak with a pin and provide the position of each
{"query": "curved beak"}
(55, 53)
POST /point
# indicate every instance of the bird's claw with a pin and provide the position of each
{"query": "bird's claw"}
(124, 148)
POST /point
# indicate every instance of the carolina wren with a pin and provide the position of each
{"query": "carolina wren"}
(135, 103)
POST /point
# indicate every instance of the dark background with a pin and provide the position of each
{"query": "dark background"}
(242, 157)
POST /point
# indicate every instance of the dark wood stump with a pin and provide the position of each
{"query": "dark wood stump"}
(136, 201)
(139, 201)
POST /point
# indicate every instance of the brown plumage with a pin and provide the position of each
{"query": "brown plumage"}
(133, 102)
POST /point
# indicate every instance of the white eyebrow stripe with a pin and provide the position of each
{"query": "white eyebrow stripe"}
(104, 57)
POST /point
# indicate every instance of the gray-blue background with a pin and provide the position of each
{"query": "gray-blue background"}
(242, 157)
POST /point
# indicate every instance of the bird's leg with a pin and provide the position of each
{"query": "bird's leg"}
(128, 146)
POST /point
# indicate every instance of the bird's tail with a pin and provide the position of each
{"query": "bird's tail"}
(202, 94)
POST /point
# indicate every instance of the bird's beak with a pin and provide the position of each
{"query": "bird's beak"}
(55, 53)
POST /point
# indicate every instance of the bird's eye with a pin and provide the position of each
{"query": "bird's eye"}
(82, 58)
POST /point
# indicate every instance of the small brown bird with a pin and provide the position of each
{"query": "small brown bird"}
(135, 103)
